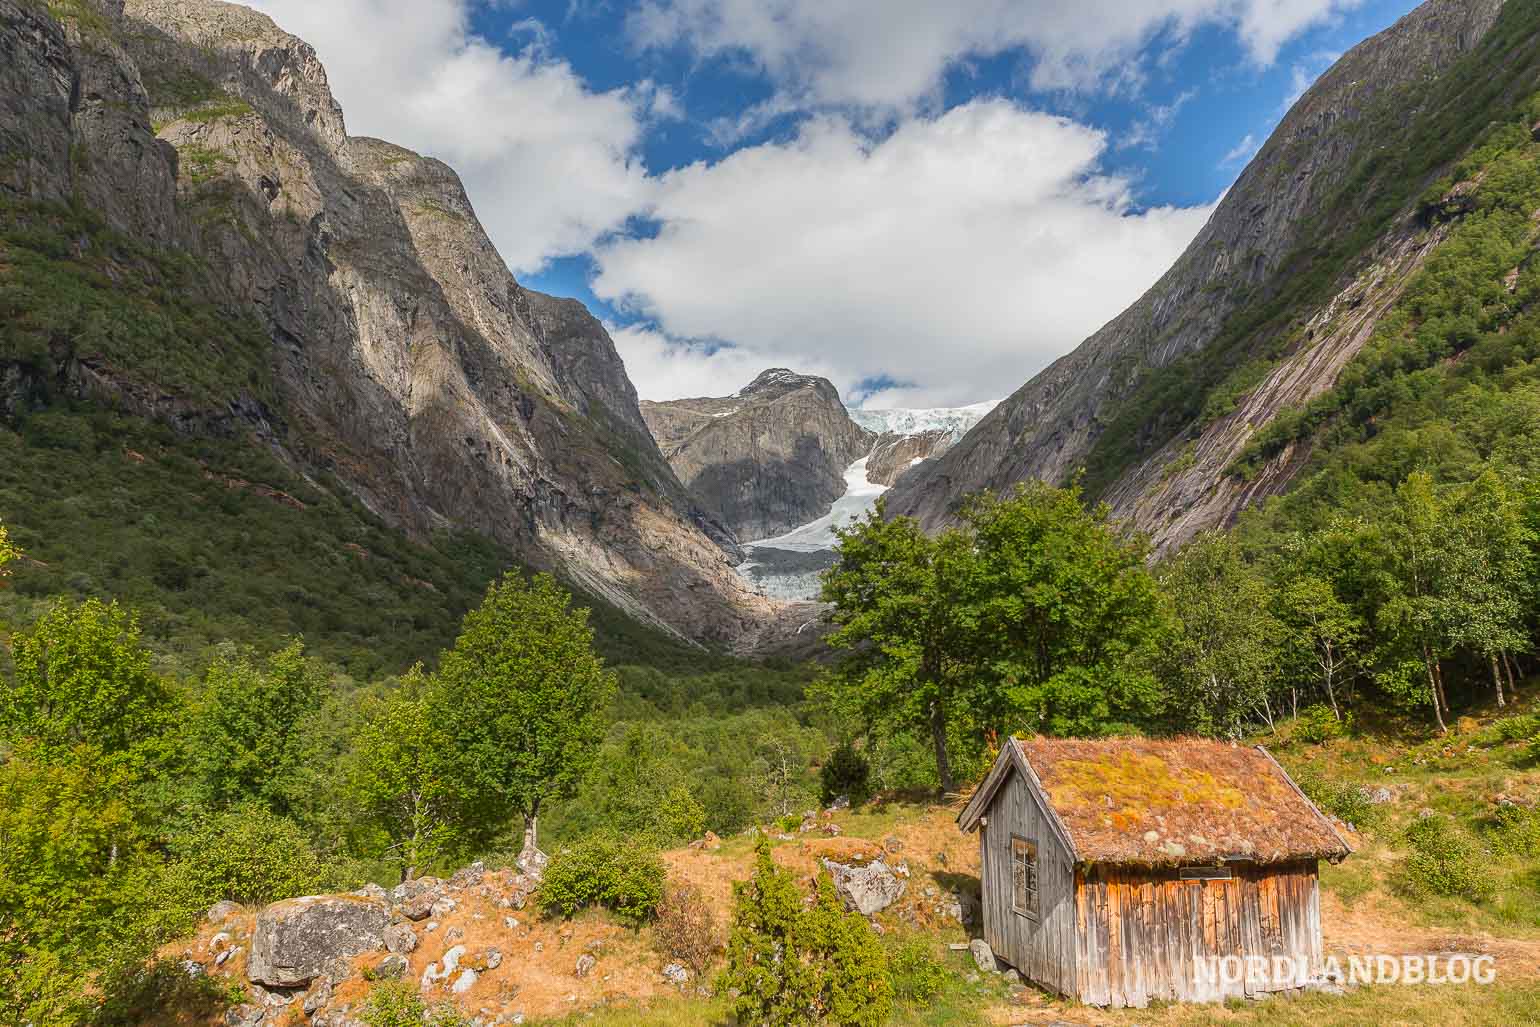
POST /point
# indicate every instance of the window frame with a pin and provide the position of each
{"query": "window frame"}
(1205, 873)
(1031, 885)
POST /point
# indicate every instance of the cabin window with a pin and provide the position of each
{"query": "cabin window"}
(1204, 873)
(1024, 877)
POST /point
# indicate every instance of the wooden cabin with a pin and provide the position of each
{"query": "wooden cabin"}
(1122, 871)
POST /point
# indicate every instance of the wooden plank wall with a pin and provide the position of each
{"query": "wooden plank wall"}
(1042, 950)
(1145, 934)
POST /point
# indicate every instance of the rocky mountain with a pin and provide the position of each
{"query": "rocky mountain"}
(1281, 289)
(907, 438)
(240, 266)
(767, 459)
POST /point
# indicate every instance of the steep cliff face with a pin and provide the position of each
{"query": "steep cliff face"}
(1272, 298)
(767, 460)
(404, 359)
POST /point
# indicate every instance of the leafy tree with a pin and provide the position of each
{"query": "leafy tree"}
(1491, 583)
(790, 964)
(400, 778)
(522, 697)
(8, 550)
(1326, 628)
(1066, 612)
(1225, 651)
(1417, 576)
(846, 772)
(83, 678)
(247, 739)
(639, 784)
(905, 618)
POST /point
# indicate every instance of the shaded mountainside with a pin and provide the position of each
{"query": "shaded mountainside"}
(1278, 293)
(766, 460)
(235, 265)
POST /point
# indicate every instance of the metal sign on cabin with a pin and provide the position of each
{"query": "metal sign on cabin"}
(1122, 871)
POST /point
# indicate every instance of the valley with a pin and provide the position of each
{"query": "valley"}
(378, 650)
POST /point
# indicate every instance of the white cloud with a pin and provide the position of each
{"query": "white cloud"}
(960, 254)
(550, 164)
(1241, 152)
(892, 54)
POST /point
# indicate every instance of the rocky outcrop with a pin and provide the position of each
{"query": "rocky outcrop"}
(766, 460)
(408, 365)
(295, 941)
(1241, 261)
(894, 455)
(868, 888)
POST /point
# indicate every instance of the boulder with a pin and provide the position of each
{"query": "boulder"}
(294, 940)
(677, 974)
(866, 889)
(983, 955)
(585, 965)
(415, 899)
(319, 995)
(400, 938)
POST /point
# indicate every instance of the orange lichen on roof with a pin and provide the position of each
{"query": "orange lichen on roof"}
(1178, 801)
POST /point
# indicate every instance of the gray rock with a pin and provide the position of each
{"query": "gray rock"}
(400, 938)
(532, 862)
(1379, 796)
(219, 912)
(866, 889)
(677, 974)
(469, 877)
(319, 994)
(983, 955)
(840, 802)
(585, 965)
(373, 891)
(392, 967)
(295, 940)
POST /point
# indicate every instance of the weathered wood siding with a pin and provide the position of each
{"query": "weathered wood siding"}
(1043, 950)
(1145, 934)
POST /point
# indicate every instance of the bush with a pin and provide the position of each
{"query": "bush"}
(790, 964)
(398, 1004)
(1318, 724)
(846, 773)
(1343, 800)
(686, 930)
(248, 855)
(1516, 830)
(1444, 861)
(917, 975)
(1518, 728)
(605, 872)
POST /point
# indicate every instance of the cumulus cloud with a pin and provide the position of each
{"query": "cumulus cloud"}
(893, 53)
(550, 163)
(956, 257)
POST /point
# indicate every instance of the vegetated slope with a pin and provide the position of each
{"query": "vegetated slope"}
(190, 233)
(1276, 294)
(765, 460)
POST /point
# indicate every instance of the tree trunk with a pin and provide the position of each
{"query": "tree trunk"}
(1513, 688)
(1438, 713)
(1497, 680)
(531, 831)
(938, 735)
(1438, 676)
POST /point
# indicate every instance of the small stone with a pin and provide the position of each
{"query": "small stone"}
(469, 877)
(443, 907)
(454, 934)
(319, 994)
(892, 844)
(677, 974)
(400, 938)
(373, 891)
(392, 967)
(1011, 976)
(225, 956)
(983, 955)
(840, 802)
(585, 964)
(510, 922)
(192, 968)
(219, 912)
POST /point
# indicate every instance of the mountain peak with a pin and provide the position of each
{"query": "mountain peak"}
(782, 380)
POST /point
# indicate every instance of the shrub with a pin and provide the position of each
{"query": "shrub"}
(680, 817)
(917, 975)
(398, 1004)
(1516, 830)
(605, 872)
(790, 964)
(846, 773)
(1346, 801)
(686, 930)
(247, 855)
(1517, 728)
(1444, 861)
(1318, 724)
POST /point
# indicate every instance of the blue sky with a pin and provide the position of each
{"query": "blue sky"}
(932, 198)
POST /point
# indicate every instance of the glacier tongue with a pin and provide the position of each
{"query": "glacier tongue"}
(791, 566)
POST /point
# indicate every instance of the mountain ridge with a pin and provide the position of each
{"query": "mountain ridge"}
(1205, 342)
